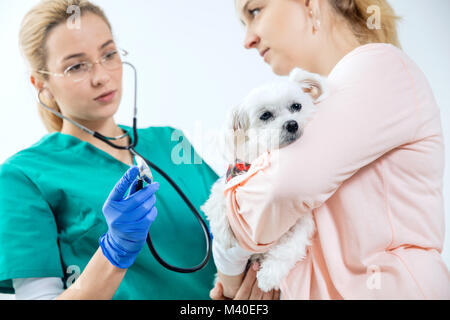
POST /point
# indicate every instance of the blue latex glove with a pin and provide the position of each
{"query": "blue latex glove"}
(128, 219)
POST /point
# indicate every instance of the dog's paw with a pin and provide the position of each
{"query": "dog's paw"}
(266, 283)
(268, 278)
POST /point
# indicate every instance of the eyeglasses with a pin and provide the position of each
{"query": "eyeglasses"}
(81, 70)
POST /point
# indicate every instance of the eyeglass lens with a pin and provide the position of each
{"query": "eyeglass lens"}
(79, 71)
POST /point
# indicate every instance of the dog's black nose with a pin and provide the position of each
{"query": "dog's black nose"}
(292, 126)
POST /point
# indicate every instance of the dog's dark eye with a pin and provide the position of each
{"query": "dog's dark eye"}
(266, 116)
(296, 107)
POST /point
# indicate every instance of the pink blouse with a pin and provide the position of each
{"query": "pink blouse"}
(370, 166)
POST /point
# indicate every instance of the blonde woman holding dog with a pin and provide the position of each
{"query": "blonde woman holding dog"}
(369, 164)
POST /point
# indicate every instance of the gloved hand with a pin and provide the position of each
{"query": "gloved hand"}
(128, 219)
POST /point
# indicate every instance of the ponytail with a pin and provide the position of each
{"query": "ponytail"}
(370, 20)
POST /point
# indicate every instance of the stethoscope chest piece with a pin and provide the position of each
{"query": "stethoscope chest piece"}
(145, 173)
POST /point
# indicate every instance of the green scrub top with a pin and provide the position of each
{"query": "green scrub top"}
(51, 199)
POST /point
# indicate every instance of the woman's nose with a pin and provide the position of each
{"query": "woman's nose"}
(251, 40)
(100, 75)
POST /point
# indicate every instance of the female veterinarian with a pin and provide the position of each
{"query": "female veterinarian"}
(53, 213)
(370, 164)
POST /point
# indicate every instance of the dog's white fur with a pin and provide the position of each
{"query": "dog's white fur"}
(247, 136)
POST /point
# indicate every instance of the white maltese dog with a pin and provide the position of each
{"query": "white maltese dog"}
(271, 116)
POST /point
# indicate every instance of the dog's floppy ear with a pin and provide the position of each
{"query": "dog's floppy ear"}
(235, 133)
(239, 120)
(311, 83)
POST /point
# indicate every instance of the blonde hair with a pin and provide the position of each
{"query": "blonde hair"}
(359, 13)
(35, 27)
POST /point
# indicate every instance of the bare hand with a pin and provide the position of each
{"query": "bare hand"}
(249, 289)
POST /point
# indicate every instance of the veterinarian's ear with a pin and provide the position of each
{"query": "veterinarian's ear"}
(311, 83)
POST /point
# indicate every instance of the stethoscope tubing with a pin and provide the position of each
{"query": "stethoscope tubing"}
(197, 215)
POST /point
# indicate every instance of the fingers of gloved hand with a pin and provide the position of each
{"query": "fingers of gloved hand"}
(133, 188)
(124, 183)
(141, 206)
(146, 221)
(132, 235)
(114, 210)
(138, 198)
(152, 215)
(142, 219)
(122, 218)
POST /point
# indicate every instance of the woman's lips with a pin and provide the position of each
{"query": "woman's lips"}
(108, 97)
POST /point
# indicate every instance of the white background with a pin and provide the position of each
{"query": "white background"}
(193, 67)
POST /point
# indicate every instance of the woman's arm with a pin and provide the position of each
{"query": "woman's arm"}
(372, 108)
(99, 281)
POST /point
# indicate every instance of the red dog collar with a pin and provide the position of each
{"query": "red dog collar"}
(237, 169)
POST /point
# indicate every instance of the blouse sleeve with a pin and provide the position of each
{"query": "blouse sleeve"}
(371, 109)
(38, 288)
(28, 232)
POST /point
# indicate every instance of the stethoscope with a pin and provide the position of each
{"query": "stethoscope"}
(145, 175)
